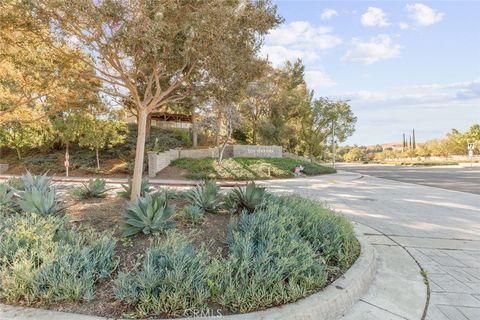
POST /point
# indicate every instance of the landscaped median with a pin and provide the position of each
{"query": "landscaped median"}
(244, 169)
(175, 252)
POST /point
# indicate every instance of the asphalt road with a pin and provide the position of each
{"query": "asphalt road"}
(457, 178)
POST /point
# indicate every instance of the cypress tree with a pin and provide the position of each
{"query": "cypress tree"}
(414, 145)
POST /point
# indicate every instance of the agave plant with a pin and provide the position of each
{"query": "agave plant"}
(95, 188)
(144, 188)
(42, 183)
(151, 213)
(206, 196)
(40, 202)
(247, 199)
(192, 214)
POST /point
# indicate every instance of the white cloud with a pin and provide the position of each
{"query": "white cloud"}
(279, 54)
(420, 94)
(404, 25)
(374, 17)
(328, 14)
(423, 15)
(299, 39)
(317, 79)
(303, 34)
(432, 109)
(375, 49)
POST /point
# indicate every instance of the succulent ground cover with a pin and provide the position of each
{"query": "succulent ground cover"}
(171, 253)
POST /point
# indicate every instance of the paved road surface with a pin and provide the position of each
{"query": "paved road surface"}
(439, 228)
(457, 178)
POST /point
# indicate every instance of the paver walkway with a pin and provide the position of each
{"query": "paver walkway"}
(439, 228)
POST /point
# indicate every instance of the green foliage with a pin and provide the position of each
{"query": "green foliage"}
(329, 233)
(37, 195)
(174, 277)
(44, 260)
(269, 262)
(21, 136)
(95, 188)
(29, 182)
(241, 169)
(40, 202)
(355, 154)
(6, 198)
(15, 183)
(206, 196)
(127, 188)
(150, 214)
(192, 214)
(248, 199)
(174, 193)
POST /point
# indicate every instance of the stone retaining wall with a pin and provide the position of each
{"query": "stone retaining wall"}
(157, 161)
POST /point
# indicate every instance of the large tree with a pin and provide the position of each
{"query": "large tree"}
(147, 51)
(38, 76)
(314, 127)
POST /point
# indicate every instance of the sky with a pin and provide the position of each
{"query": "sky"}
(402, 64)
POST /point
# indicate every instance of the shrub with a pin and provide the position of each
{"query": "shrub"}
(174, 193)
(174, 278)
(192, 214)
(206, 196)
(149, 214)
(45, 260)
(269, 263)
(95, 188)
(15, 183)
(6, 198)
(144, 188)
(247, 199)
(330, 234)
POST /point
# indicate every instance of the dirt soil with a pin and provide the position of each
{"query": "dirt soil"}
(105, 215)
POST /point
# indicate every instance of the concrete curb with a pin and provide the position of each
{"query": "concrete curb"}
(329, 304)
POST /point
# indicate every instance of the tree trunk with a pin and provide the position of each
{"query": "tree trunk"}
(139, 154)
(254, 132)
(229, 134)
(222, 151)
(194, 130)
(19, 155)
(217, 132)
(67, 156)
(149, 125)
(98, 159)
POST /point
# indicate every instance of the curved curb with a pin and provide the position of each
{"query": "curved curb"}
(329, 304)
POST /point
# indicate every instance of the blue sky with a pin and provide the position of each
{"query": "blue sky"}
(403, 64)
